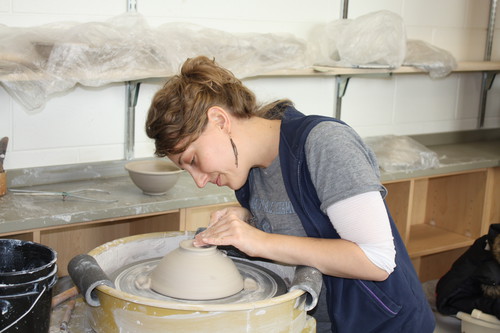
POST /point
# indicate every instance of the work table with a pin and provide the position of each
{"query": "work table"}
(24, 212)
(439, 212)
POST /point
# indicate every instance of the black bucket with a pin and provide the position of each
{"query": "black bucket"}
(28, 271)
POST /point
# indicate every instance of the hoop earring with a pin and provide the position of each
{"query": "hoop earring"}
(235, 151)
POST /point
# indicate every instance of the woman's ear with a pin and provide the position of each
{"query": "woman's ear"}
(219, 117)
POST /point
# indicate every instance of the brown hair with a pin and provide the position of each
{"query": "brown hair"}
(178, 113)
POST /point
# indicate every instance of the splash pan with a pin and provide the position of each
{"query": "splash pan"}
(263, 305)
(259, 283)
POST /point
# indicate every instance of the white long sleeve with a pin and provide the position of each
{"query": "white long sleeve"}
(363, 219)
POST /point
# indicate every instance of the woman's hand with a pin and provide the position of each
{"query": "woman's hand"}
(230, 226)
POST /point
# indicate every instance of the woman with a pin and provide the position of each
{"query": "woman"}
(309, 190)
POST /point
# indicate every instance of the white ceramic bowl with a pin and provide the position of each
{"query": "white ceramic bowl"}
(196, 273)
(153, 177)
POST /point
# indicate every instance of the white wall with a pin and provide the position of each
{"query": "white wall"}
(87, 124)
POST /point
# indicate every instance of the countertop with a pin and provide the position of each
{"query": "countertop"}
(24, 212)
(460, 151)
(456, 157)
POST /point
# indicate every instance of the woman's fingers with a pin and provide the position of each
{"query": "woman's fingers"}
(229, 226)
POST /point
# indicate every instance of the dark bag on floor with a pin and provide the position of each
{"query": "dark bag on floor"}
(473, 281)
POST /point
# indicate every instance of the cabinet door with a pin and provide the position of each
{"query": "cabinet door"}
(196, 217)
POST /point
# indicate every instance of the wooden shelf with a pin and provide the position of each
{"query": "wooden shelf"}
(343, 74)
(426, 240)
(117, 76)
(467, 66)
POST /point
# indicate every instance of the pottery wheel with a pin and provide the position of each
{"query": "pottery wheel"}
(259, 283)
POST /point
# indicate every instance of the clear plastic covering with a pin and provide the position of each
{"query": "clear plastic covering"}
(374, 40)
(40, 61)
(402, 154)
(432, 59)
(371, 40)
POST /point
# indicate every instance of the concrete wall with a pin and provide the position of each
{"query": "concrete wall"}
(87, 124)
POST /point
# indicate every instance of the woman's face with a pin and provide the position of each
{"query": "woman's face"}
(211, 159)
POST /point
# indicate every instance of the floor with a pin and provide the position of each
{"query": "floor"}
(444, 324)
(77, 321)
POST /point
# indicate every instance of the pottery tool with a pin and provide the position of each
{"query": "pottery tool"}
(67, 316)
(200, 229)
(3, 150)
(72, 194)
(65, 295)
(87, 275)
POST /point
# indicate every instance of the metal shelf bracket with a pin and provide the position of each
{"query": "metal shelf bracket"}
(486, 83)
(341, 82)
(132, 91)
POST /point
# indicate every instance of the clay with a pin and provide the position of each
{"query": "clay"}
(195, 273)
(259, 283)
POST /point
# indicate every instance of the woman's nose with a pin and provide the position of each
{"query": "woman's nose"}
(200, 178)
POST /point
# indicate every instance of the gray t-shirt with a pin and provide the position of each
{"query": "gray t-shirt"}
(341, 166)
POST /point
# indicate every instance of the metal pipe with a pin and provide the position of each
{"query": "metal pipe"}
(487, 78)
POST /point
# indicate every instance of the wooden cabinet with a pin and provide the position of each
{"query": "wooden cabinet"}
(440, 216)
(71, 240)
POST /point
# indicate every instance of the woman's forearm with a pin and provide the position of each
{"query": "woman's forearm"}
(336, 257)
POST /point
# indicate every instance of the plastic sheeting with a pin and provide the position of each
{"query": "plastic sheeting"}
(427, 57)
(38, 62)
(397, 153)
(376, 39)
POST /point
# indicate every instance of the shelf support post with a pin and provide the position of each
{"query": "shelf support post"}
(344, 8)
(132, 91)
(131, 95)
(132, 6)
(341, 81)
(488, 78)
